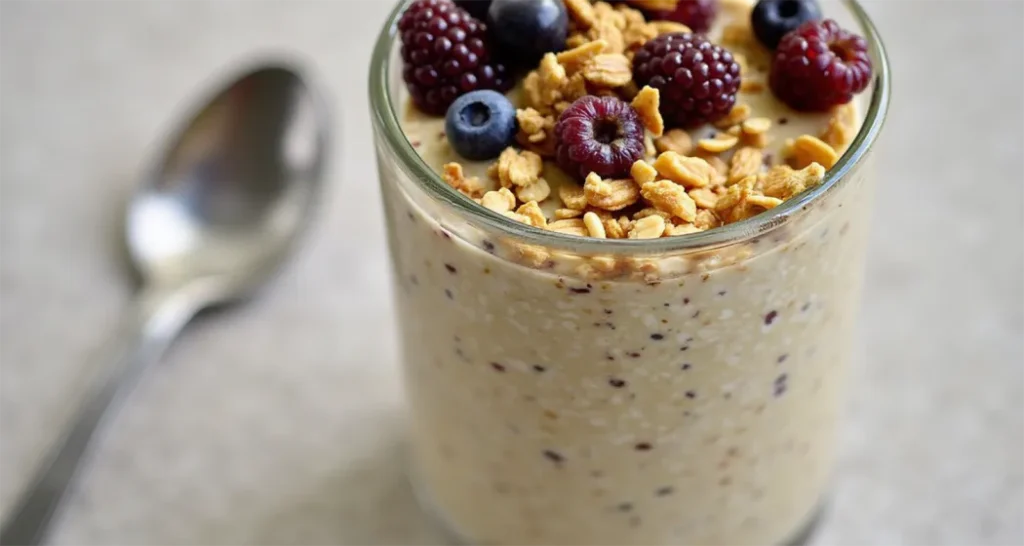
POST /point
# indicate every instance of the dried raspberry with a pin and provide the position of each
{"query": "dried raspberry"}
(819, 65)
(445, 55)
(696, 14)
(697, 79)
(599, 134)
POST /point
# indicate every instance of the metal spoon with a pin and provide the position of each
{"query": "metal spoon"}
(214, 220)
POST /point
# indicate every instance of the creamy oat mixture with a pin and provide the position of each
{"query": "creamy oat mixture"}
(559, 399)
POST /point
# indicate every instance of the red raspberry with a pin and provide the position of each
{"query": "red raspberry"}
(697, 79)
(445, 55)
(598, 134)
(696, 14)
(819, 65)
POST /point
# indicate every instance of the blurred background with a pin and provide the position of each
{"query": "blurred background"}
(280, 421)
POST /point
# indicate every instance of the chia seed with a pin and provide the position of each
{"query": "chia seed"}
(554, 456)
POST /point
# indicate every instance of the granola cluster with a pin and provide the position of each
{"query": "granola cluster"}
(684, 184)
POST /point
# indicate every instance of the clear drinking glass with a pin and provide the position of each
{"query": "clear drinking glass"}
(682, 390)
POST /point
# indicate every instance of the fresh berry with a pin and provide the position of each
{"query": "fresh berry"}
(480, 124)
(819, 65)
(476, 8)
(598, 134)
(773, 19)
(696, 14)
(445, 55)
(524, 30)
(697, 79)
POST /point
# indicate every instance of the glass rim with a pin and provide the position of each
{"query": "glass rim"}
(385, 112)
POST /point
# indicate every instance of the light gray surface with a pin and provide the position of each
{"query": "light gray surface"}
(281, 421)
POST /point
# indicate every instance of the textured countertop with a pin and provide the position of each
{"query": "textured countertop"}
(280, 421)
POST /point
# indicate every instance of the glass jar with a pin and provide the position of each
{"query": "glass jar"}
(683, 390)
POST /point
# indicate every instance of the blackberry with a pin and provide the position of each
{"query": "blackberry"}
(697, 79)
(445, 56)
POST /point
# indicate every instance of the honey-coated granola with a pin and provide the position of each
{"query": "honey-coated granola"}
(685, 184)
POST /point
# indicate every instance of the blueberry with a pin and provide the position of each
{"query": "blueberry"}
(772, 19)
(524, 30)
(480, 124)
(476, 8)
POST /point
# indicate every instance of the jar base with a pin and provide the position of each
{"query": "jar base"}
(450, 532)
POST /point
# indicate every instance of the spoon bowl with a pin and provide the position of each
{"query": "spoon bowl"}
(234, 189)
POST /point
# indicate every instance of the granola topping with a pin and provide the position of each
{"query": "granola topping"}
(691, 179)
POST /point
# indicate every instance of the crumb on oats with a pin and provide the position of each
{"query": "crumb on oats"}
(807, 149)
(720, 143)
(608, 70)
(454, 176)
(691, 172)
(615, 194)
(649, 227)
(739, 113)
(674, 140)
(518, 168)
(783, 181)
(501, 201)
(532, 210)
(646, 104)
(538, 191)
(594, 225)
(745, 162)
(643, 172)
(581, 12)
(572, 196)
(670, 197)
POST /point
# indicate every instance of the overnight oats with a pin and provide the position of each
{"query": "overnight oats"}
(627, 241)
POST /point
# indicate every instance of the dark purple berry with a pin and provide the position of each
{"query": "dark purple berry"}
(445, 56)
(602, 135)
(697, 79)
(524, 30)
(476, 8)
(696, 14)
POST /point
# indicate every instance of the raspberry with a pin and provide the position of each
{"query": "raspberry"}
(819, 65)
(696, 14)
(697, 79)
(598, 134)
(445, 55)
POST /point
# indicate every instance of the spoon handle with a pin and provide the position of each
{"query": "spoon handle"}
(156, 318)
